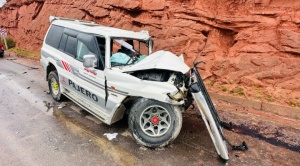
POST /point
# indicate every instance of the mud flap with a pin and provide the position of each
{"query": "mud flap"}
(210, 115)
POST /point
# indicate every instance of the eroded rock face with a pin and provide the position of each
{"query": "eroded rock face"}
(250, 42)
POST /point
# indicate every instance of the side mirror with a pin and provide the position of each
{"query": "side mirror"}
(89, 61)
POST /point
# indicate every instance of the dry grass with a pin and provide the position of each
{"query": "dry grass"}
(25, 53)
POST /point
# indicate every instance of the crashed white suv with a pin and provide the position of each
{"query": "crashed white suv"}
(112, 72)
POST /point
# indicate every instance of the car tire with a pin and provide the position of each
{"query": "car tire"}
(54, 87)
(1, 53)
(154, 123)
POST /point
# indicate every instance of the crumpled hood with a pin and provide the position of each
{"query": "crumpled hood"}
(159, 60)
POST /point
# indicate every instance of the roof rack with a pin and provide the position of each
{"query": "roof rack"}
(52, 18)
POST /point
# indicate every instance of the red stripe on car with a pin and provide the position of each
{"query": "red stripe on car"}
(65, 66)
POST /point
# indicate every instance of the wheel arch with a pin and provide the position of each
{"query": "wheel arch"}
(129, 102)
(50, 68)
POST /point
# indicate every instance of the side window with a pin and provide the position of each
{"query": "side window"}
(82, 50)
(71, 45)
(101, 46)
(62, 43)
(89, 44)
(54, 35)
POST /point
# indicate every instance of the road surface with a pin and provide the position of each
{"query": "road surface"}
(36, 130)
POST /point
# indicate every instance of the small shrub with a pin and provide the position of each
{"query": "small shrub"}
(269, 98)
(224, 89)
(208, 83)
(238, 90)
(294, 104)
(10, 42)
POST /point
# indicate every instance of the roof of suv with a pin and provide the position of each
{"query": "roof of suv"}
(90, 27)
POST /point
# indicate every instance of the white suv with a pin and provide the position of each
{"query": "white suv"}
(111, 72)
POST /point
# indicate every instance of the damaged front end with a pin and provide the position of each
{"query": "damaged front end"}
(177, 79)
(162, 77)
(183, 90)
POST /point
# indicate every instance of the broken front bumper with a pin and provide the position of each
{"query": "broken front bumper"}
(210, 115)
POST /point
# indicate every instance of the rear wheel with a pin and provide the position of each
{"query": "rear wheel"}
(153, 123)
(53, 83)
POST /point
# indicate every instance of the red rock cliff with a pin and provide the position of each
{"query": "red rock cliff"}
(253, 42)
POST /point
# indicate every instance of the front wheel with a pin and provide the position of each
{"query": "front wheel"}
(53, 83)
(154, 123)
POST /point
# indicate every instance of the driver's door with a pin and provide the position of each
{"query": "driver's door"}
(91, 81)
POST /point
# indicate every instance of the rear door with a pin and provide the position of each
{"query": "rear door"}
(60, 51)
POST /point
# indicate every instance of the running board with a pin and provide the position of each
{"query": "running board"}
(210, 115)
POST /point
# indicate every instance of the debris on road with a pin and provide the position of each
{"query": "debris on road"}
(62, 105)
(47, 104)
(33, 68)
(11, 59)
(110, 136)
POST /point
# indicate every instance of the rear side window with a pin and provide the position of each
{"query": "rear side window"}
(71, 46)
(62, 43)
(54, 36)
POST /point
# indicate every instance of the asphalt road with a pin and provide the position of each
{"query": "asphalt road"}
(36, 130)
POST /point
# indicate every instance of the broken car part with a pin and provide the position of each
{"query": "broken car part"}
(210, 115)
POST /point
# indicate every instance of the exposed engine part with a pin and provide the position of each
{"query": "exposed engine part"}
(188, 101)
(153, 75)
(177, 96)
(178, 79)
(181, 82)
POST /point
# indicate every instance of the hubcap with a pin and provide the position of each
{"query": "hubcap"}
(54, 86)
(155, 121)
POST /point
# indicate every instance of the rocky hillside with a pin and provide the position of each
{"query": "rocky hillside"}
(251, 42)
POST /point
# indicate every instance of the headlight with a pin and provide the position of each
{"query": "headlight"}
(177, 95)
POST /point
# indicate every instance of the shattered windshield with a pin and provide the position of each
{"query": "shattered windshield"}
(128, 51)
